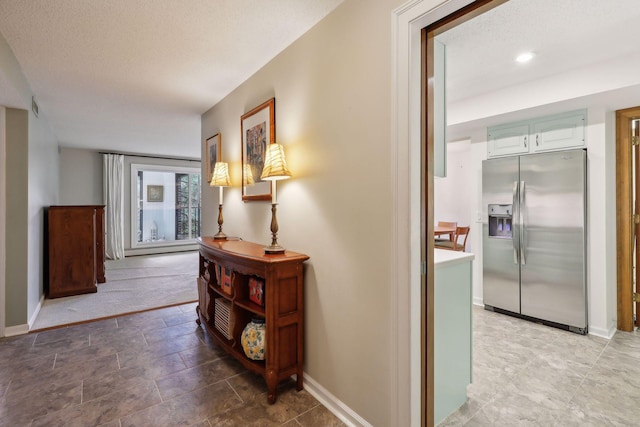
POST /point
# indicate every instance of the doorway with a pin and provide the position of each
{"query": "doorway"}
(628, 209)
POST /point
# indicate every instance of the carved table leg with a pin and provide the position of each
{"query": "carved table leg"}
(198, 314)
(272, 384)
(299, 380)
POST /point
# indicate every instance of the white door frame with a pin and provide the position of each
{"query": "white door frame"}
(3, 213)
(406, 24)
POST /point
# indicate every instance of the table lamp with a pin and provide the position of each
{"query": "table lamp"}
(220, 179)
(275, 169)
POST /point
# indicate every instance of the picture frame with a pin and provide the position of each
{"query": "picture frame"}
(257, 128)
(155, 193)
(213, 153)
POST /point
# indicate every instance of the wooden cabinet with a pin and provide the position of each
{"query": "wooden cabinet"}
(283, 308)
(74, 261)
(556, 132)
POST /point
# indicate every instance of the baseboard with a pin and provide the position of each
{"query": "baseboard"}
(12, 331)
(478, 301)
(333, 404)
(32, 321)
(603, 333)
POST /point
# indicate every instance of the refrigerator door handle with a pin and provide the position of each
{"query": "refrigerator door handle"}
(514, 238)
(523, 259)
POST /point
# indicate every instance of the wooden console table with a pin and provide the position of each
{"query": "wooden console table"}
(283, 308)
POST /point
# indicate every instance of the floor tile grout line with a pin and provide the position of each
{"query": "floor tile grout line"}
(234, 390)
(303, 412)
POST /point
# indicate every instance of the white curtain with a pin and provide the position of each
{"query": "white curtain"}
(113, 186)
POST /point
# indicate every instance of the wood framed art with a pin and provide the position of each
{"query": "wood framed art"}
(258, 128)
(155, 193)
(213, 153)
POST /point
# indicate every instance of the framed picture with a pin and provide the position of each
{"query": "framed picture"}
(258, 128)
(155, 193)
(213, 150)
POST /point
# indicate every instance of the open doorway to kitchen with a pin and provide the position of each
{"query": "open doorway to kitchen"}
(628, 216)
(430, 106)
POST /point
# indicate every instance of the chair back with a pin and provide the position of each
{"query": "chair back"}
(461, 232)
(455, 244)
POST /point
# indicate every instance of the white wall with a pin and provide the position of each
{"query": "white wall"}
(452, 194)
(80, 177)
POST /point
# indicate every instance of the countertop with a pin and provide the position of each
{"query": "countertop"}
(442, 257)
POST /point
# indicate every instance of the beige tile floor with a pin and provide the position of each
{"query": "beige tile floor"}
(527, 374)
(155, 368)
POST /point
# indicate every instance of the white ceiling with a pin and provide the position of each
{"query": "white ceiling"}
(564, 35)
(135, 75)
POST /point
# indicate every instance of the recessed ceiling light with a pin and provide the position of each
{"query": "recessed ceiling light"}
(525, 57)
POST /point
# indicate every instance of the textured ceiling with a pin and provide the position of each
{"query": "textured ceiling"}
(564, 34)
(135, 75)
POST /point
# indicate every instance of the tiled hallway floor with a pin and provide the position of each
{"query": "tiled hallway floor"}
(526, 374)
(156, 368)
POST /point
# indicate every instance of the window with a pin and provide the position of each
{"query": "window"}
(165, 205)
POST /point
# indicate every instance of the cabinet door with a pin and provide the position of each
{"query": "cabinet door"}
(559, 132)
(508, 139)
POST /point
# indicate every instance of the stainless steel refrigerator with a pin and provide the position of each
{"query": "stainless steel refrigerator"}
(534, 237)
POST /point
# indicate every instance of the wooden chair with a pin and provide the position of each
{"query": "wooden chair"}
(446, 224)
(455, 245)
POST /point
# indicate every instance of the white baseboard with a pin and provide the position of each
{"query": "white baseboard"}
(478, 301)
(333, 404)
(36, 312)
(12, 331)
(603, 333)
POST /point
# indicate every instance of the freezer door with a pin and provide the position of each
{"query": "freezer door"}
(500, 281)
(553, 284)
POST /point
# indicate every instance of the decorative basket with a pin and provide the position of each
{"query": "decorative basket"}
(223, 320)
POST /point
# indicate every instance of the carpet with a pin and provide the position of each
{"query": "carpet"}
(133, 284)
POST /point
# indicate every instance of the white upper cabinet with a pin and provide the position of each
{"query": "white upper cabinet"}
(508, 139)
(557, 132)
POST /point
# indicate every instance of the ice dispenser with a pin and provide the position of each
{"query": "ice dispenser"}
(500, 221)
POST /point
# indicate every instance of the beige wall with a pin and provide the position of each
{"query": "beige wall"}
(332, 90)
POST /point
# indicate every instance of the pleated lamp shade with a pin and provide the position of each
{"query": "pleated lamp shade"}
(220, 176)
(247, 175)
(275, 165)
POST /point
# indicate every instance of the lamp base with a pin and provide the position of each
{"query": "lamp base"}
(274, 249)
(220, 236)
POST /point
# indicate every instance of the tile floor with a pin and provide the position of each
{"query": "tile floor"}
(156, 368)
(527, 374)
